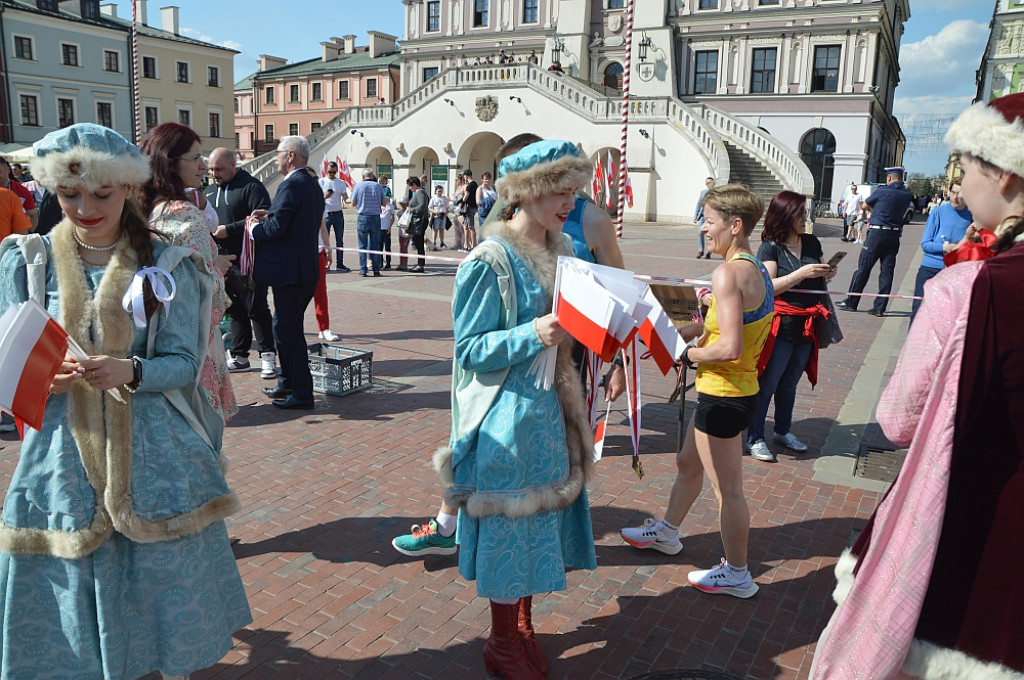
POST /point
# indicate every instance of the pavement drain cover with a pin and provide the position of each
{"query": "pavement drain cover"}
(685, 674)
(879, 464)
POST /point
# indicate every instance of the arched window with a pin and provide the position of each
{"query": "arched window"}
(817, 149)
(613, 75)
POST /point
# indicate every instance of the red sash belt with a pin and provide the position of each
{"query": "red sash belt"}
(782, 309)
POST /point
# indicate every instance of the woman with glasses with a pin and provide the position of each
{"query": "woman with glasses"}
(172, 201)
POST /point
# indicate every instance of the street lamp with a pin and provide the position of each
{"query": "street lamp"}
(642, 47)
(557, 48)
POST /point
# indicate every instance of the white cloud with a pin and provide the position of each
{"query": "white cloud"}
(944, 62)
(918, 6)
(905, 107)
(196, 35)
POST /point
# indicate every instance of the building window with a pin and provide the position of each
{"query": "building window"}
(69, 54)
(185, 117)
(183, 72)
(616, 4)
(238, 141)
(429, 72)
(214, 125)
(268, 94)
(318, 92)
(152, 118)
(708, 4)
(293, 93)
(767, 2)
(480, 12)
(111, 61)
(531, 11)
(371, 87)
(90, 9)
(762, 74)
(343, 89)
(149, 67)
(314, 126)
(826, 69)
(23, 47)
(29, 110)
(236, 104)
(213, 76)
(706, 72)
(614, 75)
(268, 133)
(47, 5)
(105, 114)
(65, 112)
(293, 128)
(434, 16)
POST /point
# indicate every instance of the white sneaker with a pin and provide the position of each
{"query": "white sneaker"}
(650, 536)
(723, 580)
(268, 366)
(329, 336)
(760, 451)
(237, 364)
(790, 442)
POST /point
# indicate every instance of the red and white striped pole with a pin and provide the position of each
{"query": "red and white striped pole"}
(135, 71)
(625, 119)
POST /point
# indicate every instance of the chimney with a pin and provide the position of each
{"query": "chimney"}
(350, 44)
(109, 10)
(268, 62)
(169, 18)
(143, 15)
(329, 51)
(381, 43)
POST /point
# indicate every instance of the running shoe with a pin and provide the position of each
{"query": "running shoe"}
(648, 536)
(723, 580)
(238, 364)
(760, 451)
(790, 442)
(425, 540)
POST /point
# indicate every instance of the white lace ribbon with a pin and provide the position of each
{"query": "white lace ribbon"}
(133, 299)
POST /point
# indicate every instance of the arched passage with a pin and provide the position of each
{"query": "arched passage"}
(421, 160)
(613, 75)
(817, 149)
(478, 154)
(380, 161)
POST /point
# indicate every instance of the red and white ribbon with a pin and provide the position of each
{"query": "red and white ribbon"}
(633, 394)
(248, 247)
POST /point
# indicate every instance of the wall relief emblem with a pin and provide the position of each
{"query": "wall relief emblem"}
(615, 23)
(486, 108)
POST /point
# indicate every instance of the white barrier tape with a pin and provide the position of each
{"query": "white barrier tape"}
(640, 277)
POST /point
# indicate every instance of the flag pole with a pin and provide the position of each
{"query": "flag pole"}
(625, 118)
(135, 71)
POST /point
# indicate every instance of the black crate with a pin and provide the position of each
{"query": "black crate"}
(339, 370)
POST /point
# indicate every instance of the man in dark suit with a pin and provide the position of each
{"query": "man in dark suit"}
(286, 260)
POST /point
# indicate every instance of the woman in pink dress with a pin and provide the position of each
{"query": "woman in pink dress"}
(176, 160)
(932, 588)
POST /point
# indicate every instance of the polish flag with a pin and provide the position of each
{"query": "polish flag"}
(585, 311)
(344, 174)
(610, 180)
(628, 188)
(323, 169)
(660, 335)
(32, 347)
(598, 182)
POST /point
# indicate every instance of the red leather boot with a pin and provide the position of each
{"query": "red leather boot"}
(505, 650)
(533, 649)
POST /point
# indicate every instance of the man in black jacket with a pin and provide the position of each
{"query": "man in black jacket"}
(235, 194)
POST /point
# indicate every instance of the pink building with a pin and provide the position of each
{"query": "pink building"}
(297, 99)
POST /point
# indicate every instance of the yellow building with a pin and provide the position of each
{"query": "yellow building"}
(183, 80)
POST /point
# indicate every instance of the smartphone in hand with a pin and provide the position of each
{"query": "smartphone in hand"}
(837, 258)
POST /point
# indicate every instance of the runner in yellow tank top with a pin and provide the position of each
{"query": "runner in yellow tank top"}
(726, 347)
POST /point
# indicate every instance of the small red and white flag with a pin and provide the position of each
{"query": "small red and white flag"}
(660, 335)
(597, 183)
(628, 188)
(599, 433)
(609, 180)
(585, 311)
(344, 174)
(32, 348)
(323, 169)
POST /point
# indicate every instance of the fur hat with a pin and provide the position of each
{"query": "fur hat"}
(90, 155)
(541, 169)
(993, 132)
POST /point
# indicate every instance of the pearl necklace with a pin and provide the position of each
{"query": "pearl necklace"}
(83, 244)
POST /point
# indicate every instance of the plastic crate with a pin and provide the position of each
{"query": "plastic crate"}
(339, 370)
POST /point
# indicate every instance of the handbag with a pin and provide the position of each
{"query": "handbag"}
(829, 332)
(447, 223)
(404, 222)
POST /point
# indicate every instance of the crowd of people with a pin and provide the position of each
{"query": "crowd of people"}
(135, 535)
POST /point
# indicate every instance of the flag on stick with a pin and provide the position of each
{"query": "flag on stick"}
(609, 180)
(660, 335)
(32, 348)
(344, 174)
(628, 188)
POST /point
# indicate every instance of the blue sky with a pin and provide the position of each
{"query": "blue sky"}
(941, 48)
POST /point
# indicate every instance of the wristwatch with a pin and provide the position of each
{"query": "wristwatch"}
(136, 382)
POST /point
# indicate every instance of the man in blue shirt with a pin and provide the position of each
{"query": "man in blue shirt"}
(946, 227)
(368, 197)
(887, 206)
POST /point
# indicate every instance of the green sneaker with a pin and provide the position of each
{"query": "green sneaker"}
(425, 540)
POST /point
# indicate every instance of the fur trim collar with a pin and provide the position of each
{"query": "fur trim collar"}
(81, 165)
(984, 132)
(542, 262)
(568, 173)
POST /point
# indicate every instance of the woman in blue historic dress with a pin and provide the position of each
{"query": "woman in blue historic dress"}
(114, 555)
(520, 454)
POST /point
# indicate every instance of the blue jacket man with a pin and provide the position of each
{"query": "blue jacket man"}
(946, 227)
(286, 260)
(887, 206)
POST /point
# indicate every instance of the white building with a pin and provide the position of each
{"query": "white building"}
(1002, 64)
(734, 89)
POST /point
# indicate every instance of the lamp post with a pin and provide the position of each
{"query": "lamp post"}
(557, 48)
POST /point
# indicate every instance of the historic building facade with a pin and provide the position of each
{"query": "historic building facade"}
(1002, 65)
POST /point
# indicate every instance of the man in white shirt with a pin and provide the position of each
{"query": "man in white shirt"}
(335, 198)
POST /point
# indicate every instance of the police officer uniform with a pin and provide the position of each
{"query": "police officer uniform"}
(888, 206)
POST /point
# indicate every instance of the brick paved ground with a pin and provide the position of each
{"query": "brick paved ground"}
(324, 492)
